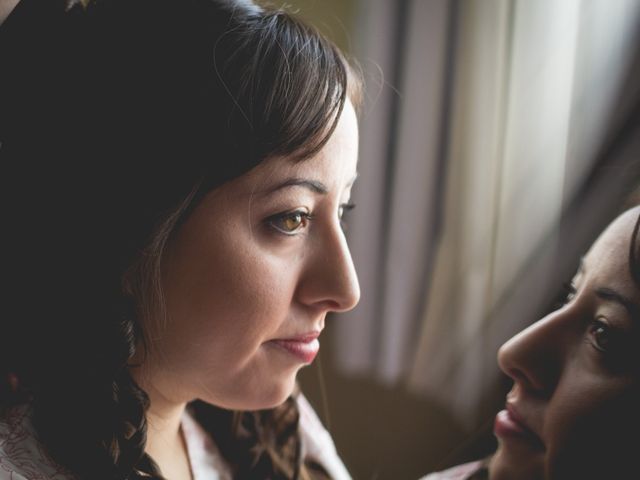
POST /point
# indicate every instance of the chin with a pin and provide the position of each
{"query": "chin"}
(276, 394)
(510, 465)
(256, 397)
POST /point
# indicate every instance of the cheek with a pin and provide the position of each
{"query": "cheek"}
(242, 292)
(587, 423)
(227, 293)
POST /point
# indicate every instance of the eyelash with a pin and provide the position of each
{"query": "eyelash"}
(345, 207)
(306, 217)
(595, 325)
(598, 330)
(568, 293)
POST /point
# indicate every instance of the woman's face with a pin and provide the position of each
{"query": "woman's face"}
(250, 277)
(574, 406)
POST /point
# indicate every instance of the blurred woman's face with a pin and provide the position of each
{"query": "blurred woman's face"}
(575, 400)
(250, 276)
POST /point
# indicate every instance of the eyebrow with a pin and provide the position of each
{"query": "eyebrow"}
(613, 296)
(314, 185)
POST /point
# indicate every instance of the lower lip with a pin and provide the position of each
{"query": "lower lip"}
(304, 351)
(506, 426)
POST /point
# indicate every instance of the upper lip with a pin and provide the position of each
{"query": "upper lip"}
(302, 337)
(513, 412)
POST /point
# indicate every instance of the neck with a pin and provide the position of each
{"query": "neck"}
(165, 442)
(163, 424)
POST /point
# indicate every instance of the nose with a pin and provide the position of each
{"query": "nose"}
(330, 281)
(534, 358)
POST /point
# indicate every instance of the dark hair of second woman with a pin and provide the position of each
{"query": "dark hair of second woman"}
(146, 107)
(634, 254)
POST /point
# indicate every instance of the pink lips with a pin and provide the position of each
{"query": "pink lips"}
(304, 347)
(505, 425)
(509, 425)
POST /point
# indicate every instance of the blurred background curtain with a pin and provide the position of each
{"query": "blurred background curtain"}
(390, 236)
(488, 123)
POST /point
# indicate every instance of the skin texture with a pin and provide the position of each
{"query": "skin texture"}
(575, 375)
(242, 271)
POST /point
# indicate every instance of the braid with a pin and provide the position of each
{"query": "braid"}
(108, 445)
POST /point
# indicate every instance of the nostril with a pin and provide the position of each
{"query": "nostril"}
(519, 369)
(532, 380)
(518, 376)
(333, 306)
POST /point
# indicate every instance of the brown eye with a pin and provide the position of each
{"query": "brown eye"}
(601, 335)
(289, 223)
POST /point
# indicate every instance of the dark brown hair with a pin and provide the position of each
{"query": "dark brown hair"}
(634, 254)
(140, 108)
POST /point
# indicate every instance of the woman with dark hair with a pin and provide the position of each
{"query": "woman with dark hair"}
(574, 403)
(175, 174)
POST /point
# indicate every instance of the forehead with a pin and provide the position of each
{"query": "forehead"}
(334, 165)
(608, 258)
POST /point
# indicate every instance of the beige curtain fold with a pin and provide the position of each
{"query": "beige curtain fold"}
(482, 119)
(520, 147)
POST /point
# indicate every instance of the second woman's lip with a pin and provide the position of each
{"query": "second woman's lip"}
(508, 423)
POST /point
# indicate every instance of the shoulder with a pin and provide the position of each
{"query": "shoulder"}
(22, 457)
(468, 471)
(317, 443)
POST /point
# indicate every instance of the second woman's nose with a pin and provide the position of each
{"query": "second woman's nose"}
(534, 358)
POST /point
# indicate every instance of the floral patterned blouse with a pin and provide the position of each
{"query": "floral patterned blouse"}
(22, 457)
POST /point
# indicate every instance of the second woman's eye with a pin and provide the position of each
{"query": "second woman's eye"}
(290, 223)
(567, 295)
(344, 208)
(569, 292)
(602, 335)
